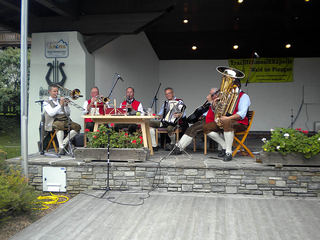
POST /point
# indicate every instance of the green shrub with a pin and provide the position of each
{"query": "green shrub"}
(289, 140)
(16, 196)
(120, 139)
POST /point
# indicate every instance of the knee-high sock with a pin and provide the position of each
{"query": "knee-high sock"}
(60, 136)
(72, 134)
(172, 138)
(184, 141)
(216, 137)
(219, 146)
(228, 136)
(153, 137)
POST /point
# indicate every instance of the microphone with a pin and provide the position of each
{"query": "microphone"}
(256, 54)
(119, 77)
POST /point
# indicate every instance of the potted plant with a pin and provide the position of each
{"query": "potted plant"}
(291, 147)
(123, 146)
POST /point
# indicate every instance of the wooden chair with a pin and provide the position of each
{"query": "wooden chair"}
(244, 134)
(205, 142)
(51, 141)
(164, 130)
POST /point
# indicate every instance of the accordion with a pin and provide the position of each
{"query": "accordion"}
(171, 107)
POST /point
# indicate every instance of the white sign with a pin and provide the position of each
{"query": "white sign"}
(57, 47)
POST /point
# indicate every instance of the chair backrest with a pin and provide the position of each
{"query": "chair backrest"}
(250, 115)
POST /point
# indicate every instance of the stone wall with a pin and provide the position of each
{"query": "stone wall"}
(264, 180)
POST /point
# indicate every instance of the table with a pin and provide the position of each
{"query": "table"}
(144, 121)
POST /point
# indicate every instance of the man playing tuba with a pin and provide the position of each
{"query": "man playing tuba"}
(228, 123)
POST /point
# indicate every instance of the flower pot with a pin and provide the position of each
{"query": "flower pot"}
(116, 154)
(291, 159)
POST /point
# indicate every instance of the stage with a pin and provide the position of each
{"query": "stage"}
(178, 216)
(179, 173)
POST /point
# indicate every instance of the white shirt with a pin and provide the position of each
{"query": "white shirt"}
(244, 104)
(57, 109)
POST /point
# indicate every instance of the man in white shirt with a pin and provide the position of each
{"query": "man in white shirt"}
(56, 117)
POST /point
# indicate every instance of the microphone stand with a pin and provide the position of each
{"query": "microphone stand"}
(115, 83)
(251, 65)
(155, 99)
(108, 167)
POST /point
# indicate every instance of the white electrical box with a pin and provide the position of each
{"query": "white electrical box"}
(54, 179)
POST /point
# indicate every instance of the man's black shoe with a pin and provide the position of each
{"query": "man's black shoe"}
(227, 157)
(177, 151)
(62, 152)
(169, 147)
(155, 149)
(222, 153)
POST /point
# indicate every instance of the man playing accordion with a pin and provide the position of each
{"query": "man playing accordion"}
(171, 114)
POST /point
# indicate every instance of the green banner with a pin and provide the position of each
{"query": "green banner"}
(265, 69)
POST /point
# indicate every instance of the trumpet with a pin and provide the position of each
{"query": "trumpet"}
(102, 99)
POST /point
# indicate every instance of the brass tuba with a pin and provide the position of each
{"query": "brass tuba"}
(228, 95)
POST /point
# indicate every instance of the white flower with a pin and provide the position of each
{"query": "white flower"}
(278, 147)
(264, 140)
(286, 135)
(319, 139)
(271, 130)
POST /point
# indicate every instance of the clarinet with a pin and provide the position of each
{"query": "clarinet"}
(129, 101)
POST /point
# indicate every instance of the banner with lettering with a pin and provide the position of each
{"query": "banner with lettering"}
(265, 69)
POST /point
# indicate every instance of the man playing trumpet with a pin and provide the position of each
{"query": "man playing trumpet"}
(57, 112)
(237, 121)
(93, 106)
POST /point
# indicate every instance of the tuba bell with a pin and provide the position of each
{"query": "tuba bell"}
(228, 95)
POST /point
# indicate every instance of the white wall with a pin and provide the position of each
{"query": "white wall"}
(134, 59)
(79, 68)
(272, 102)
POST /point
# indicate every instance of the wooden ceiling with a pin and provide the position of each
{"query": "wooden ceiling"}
(214, 26)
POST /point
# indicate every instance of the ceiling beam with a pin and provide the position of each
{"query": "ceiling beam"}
(15, 7)
(95, 24)
(69, 10)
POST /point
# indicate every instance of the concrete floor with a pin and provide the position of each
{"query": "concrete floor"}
(178, 216)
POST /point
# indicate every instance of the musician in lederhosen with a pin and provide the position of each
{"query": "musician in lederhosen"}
(238, 121)
(93, 106)
(132, 106)
(171, 115)
(57, 112)
(201, 115)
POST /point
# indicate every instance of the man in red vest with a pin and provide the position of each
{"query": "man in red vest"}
(133, 106)
(197, 127)
(93, 106)
(238, 121)
(131, 103)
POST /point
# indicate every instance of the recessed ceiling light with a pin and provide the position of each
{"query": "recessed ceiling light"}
(240, 1)
(194, 48)
(307, 0)
(235, 46)
(288, 45)
(185, 21)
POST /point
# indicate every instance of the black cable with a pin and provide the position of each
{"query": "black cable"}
(125, 191)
